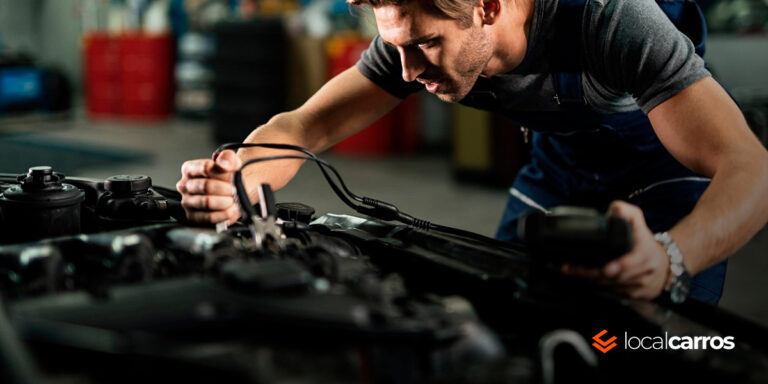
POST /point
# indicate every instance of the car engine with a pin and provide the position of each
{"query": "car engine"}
(104, 281)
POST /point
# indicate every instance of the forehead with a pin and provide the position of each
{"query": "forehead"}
(399, 23)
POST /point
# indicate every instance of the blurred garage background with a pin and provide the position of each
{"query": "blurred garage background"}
(103, 87)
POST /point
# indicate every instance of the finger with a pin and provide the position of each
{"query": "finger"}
(628, 266)
(234, 214)
(227, 161)
(180, 185)
(207, 202)
(207, 187)
(637, 261)
(204, 168)
(229, 215)
(652, 284)
(632, 213)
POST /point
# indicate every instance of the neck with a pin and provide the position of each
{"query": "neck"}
(510, 36)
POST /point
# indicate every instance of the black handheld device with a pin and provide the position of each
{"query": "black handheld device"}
(575, 235)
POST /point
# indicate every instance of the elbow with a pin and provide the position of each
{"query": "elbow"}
(752, 158)
(762, 165)
(758, 159)
(757, 165)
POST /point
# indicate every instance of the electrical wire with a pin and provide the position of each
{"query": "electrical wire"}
(306, 152)
(370, 207)
(238, 179)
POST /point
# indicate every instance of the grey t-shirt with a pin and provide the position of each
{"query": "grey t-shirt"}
(632, 57)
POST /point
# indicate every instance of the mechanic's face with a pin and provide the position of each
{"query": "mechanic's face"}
(437, 52)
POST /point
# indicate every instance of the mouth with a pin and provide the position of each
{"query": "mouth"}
(432, 86)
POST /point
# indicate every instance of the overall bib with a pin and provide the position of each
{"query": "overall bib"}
(584, 157)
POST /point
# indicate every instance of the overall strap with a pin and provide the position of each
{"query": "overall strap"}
(566, 56)
(566, 49)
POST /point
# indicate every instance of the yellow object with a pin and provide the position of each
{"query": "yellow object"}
(472, 149)
(277, 7)
(336, 45)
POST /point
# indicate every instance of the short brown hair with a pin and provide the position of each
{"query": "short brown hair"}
(459, 10)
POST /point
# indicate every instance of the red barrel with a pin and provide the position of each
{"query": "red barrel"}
(397, 131)
(146, 76)
(102, 75)
(128, 76)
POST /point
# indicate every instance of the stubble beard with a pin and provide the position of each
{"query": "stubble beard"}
(474, 55)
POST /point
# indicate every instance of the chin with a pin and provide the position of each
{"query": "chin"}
(451, 97)
(448, 97)
(455, 92)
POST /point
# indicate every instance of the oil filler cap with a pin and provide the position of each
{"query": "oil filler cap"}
(43, 188)
(41, 178)
(39, 207)
(128, 184)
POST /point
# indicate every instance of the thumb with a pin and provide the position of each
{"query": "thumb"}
(629, 212)
(227, 161)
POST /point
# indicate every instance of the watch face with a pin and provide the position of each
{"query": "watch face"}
(680, 288)
(679, 293)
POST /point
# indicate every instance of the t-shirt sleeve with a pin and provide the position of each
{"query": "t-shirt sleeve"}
(635, 48)
(380, 63)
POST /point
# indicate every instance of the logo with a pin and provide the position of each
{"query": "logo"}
(679, 342)
(603, 345)
(665, 341)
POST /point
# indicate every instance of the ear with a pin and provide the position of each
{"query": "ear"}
(490, 10)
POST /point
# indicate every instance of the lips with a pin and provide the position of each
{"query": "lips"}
(431, 85)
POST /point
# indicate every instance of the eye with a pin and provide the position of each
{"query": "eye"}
(427, 44)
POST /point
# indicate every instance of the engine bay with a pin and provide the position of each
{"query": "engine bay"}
(106, 281)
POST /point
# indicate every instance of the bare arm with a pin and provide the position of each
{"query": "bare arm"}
(342, 107)
(704, 130)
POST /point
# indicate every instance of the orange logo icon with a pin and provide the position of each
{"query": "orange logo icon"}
(603, 346)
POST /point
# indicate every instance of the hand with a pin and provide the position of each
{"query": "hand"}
(643, 272)
(206, 189)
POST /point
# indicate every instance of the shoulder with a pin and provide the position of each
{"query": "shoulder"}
(632, 46)
(626, 28)
(622, 15)
(620, 7)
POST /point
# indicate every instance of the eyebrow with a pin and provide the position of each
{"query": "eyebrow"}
(414, 42)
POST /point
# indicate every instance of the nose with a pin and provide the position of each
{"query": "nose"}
(413, 63)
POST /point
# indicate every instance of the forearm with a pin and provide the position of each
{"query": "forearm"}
(728, 214)
(342, 107)
(285, 128)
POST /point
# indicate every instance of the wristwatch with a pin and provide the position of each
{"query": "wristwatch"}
(679, 284)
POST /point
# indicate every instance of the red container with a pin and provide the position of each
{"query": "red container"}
(396, 131)
(102, 75)
(146, 76)
(128, 76)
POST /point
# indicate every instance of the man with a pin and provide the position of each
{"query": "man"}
(643, 122)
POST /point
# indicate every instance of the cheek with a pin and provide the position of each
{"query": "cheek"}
(436, 57)
(446, 61)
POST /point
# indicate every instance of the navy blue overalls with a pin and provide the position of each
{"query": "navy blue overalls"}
(586, 158)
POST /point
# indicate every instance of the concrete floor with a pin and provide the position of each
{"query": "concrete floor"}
(421, 186)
